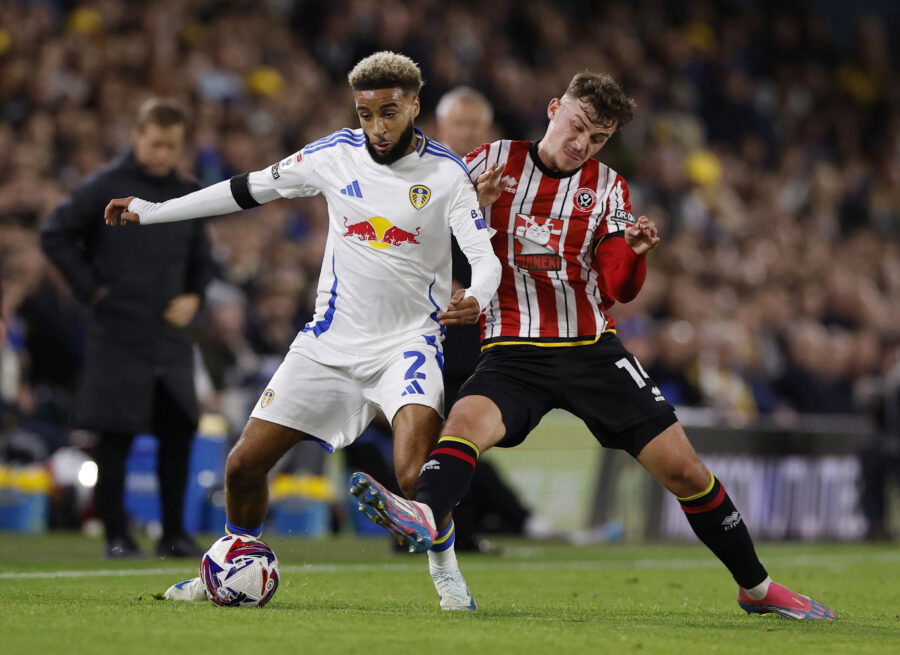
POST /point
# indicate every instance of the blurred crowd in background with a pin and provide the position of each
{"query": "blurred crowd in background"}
(766, 146)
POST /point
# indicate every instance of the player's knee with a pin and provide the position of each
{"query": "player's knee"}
(476, 419)
(687, 478)
(240, 471)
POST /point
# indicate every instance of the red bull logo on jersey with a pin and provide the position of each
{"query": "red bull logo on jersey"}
(380, 233)
(537, 243)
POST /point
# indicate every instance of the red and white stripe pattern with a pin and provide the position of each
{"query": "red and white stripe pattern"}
(547, 228)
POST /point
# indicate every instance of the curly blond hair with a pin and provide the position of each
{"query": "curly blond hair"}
(386, 70)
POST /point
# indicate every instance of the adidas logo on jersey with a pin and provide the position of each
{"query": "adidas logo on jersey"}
(430, 465)
(352, 189)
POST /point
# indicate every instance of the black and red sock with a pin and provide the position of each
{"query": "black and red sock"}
(446, 475)
(719, 525)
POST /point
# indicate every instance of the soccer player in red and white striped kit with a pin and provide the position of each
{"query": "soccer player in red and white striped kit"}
(570, 247)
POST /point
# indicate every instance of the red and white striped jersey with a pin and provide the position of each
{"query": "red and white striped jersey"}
(548, 227)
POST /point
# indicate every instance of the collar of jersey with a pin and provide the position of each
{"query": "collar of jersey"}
(423, 141)
(533, 151)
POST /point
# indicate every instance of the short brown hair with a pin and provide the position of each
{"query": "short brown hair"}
(164, 112)
(604, 99)
(386, 70)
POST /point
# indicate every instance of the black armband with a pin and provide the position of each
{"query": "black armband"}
(240, 189)
(608, 235)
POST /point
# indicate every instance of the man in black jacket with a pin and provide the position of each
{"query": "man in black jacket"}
(143, 287)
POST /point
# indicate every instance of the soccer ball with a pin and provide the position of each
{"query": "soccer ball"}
(239, 571)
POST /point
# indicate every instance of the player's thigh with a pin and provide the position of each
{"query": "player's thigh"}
(605, 386)
(477, 419)
(505, 398)
(260, 447)
(325, 402)
(410, 375)
(671, 459)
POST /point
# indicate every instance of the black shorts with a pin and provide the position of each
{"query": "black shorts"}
(601, 383)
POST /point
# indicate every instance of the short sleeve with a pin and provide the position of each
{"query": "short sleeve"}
(476, 161)
(618, 214)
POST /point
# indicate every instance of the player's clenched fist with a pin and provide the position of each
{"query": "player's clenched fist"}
(460, 310)
(116, 212)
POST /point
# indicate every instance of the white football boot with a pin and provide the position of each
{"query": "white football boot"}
(452, 589)
(192, 589)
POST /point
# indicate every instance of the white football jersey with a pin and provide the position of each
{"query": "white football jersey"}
(386, 271)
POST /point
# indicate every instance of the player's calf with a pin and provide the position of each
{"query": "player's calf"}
(446, 474)
(718, 524)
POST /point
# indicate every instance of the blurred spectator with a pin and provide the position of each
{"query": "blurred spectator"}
(144, 287)
(465, 120)
(880, 459)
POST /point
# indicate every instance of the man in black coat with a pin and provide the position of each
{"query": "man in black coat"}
(143, 287)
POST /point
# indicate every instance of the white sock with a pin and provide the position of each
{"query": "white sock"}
(443, 561)
(759, 591)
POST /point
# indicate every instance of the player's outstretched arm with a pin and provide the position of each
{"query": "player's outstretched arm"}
(221, 198)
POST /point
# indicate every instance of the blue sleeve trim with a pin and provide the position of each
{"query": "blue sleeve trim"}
(331, 144)
(430, 149)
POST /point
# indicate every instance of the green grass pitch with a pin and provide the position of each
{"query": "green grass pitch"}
(348, 595)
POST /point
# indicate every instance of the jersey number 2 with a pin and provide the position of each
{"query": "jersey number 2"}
(412, 373)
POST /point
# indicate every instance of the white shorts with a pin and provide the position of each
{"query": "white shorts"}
(332, 396)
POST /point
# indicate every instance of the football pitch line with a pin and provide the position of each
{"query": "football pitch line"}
(812, 561)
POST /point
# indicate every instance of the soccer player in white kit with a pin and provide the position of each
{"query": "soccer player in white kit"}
(394, 197)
